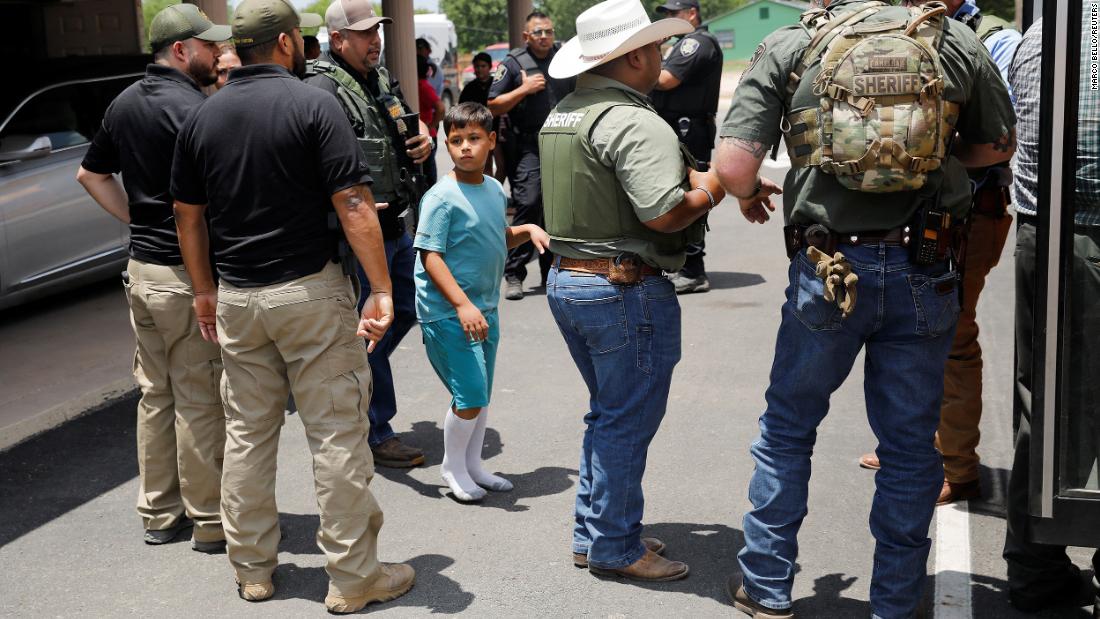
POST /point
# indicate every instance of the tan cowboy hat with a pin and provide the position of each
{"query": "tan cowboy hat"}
(609, 30)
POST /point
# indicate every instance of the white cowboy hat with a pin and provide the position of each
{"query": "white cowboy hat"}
(609, 30)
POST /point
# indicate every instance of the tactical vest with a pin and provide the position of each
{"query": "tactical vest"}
(984, 25)
(375, 125)
(527, 64)
(882, 123)
(582, 199)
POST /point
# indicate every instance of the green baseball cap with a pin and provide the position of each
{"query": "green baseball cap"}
(260, 21)
(183, 21)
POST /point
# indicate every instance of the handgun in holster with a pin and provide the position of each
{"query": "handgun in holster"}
(343, 253)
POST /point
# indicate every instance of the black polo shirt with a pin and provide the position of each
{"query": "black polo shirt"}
(266, 154)
(476, 91)
(137, 138)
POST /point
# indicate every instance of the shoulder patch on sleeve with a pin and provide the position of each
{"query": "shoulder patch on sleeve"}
(756, 56)
(500, 72)
(688, 46)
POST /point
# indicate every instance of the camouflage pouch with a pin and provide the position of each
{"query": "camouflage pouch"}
(883, 123)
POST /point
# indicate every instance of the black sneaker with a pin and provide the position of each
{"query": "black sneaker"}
(1071, 592)
(163, 536)
(513, 289)
(211, 548)
(742, 602)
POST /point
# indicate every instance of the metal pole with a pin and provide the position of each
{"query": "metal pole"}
(400, 48)
(216, 10)
(517, 14)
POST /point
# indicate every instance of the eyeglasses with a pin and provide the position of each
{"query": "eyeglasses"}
(542, 32)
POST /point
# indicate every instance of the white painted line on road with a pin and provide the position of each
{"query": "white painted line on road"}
(952, 562)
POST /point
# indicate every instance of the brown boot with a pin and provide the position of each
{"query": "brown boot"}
(393, 453)
(965, 491)
(255, 591)
(869, 462)
(742, 602)
(650, 568)
(396, 580)
(651, 543)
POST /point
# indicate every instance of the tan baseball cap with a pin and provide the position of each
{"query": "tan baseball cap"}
(352, 15)
(260, 21)
(179, 22)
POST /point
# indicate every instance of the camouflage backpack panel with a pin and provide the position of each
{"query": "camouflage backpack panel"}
(882, 123)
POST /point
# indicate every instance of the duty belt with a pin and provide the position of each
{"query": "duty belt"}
(825, 240)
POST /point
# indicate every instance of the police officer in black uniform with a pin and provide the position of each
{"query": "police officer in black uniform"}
(686, 96)
(524, 91)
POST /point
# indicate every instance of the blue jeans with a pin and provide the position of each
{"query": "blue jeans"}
(400, 257)
(625, 340)
(905, 316)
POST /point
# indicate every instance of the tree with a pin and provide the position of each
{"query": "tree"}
(149, 10)
(1005, 9)
(477, 22)
(564, 14)
(319, 7)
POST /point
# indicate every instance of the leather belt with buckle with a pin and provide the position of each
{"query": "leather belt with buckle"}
(816, 235)
(618, 270)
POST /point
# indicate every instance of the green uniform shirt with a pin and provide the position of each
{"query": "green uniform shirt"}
(812, 196)
(645, 154)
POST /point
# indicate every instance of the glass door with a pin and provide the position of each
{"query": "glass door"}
(1065, 323)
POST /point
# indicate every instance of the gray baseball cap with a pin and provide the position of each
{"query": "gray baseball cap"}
(179, 22)
(260, 21)
(352, 15)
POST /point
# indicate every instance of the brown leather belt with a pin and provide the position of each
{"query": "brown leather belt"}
(599, 266)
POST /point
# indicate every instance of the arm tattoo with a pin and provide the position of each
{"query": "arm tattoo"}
(353, 198)
(756, 149)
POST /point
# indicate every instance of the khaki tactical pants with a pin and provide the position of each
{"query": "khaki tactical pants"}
(180, 420)
(298, 335)
(961, 413)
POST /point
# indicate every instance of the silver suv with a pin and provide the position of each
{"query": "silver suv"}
(53, 236)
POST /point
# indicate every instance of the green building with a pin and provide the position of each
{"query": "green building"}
(740, 31)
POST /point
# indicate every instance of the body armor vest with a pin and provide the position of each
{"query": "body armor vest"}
(375, 123)
(582, 199)
(882, 123)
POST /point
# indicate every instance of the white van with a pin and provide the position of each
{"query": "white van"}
(440, 34)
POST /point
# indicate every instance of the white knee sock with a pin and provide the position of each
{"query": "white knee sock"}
(473, 458)
(456, 437)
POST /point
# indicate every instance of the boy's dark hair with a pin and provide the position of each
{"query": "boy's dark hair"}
(422, 43)
(536, 15)
(482, 57)
(469, 113)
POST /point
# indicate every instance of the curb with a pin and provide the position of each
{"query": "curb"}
(94, 400)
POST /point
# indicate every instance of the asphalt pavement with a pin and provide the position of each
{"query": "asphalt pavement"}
(70, 541)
